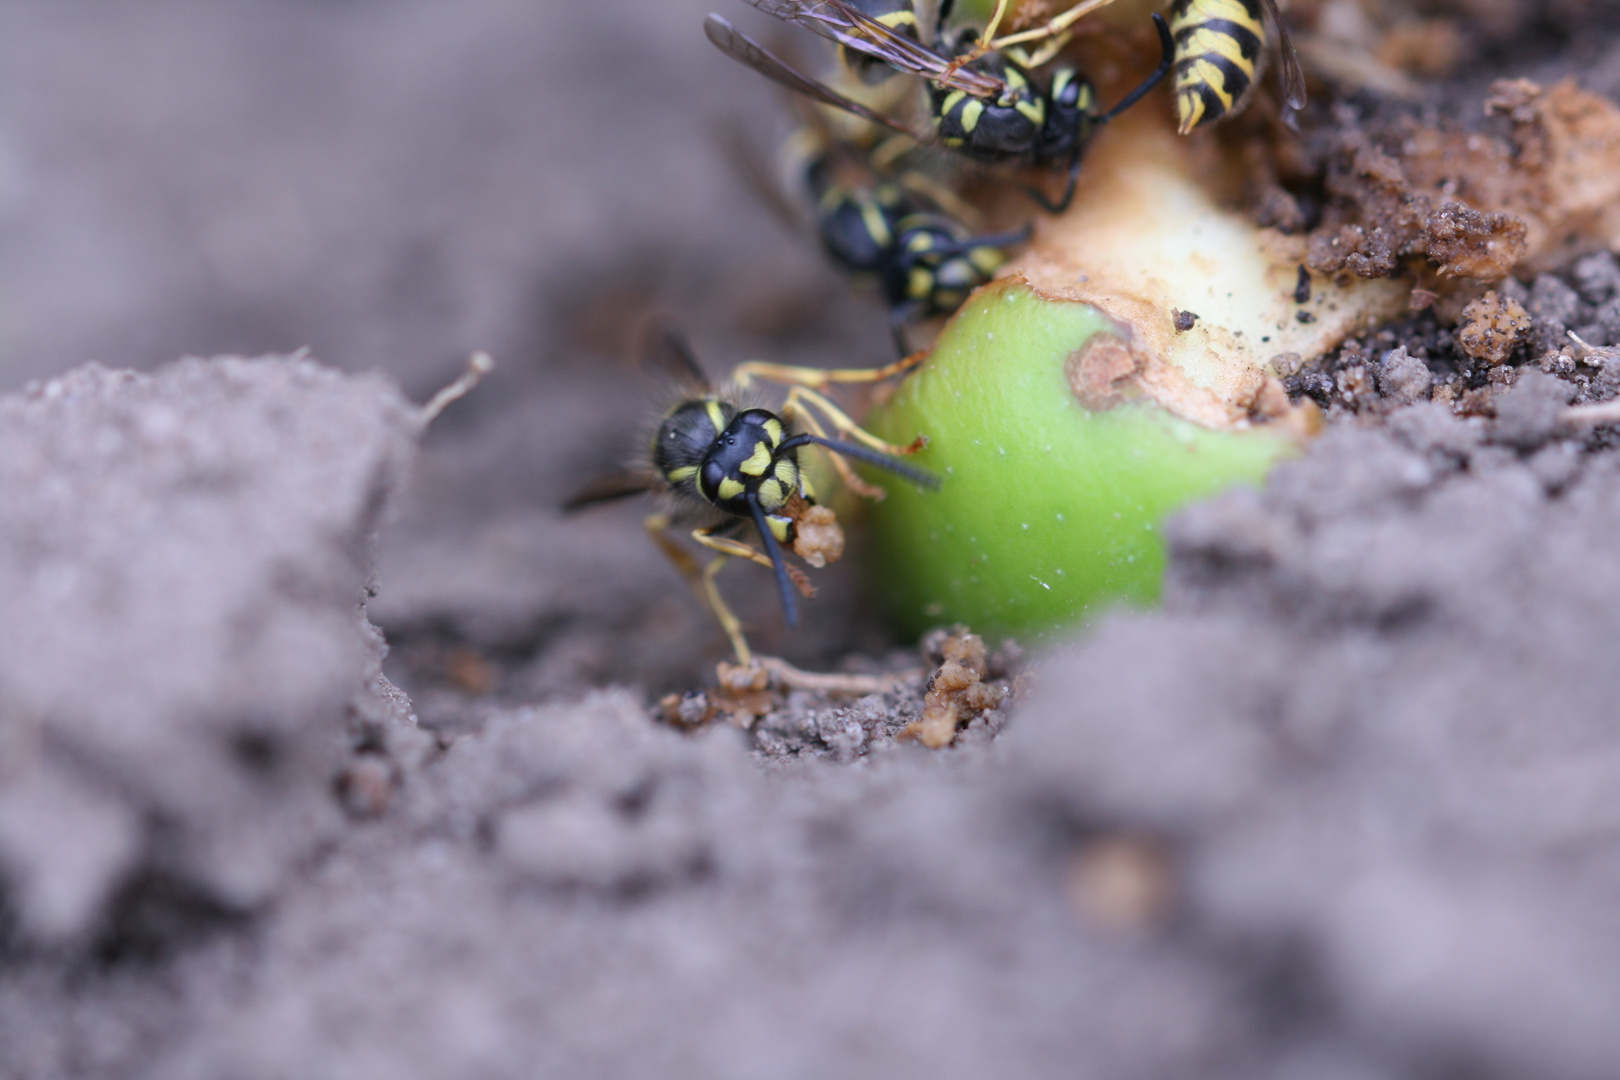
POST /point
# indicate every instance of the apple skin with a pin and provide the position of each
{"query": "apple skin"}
(1050, 512)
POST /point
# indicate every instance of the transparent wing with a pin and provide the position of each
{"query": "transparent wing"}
(1293, 75)
(664, 349)
(853, 28)
(609, 488)
(744, 49)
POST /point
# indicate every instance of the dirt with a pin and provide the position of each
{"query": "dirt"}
(1342, 808)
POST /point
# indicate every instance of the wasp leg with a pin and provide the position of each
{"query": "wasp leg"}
(736, 549)
(728, 548)
(745, 374)
(1167, 60)
(701, 579)
(1046, 53)
(657, 526)
(1067, 197)
(1052, 27)
(845, 472)
(982, 45)
(740, 550)
(803, 397)
(728, 620)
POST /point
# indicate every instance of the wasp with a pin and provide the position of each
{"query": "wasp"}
(1220, 47)
(888, 226)
(925, 262)
(884, 229)
(725, 465)
(990, 109)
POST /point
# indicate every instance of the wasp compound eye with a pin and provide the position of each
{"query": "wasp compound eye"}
(714, 474)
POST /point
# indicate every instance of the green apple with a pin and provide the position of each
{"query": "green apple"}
(1050, 509)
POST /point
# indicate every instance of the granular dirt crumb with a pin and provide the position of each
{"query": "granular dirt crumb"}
(1428, 193)
(1403, 377)
(956, 691)
(818, 539)
(1378, 218)
(1464, 355)
(1491, 326)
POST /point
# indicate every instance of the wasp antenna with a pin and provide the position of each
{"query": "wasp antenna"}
(773, 551)
(916, 474)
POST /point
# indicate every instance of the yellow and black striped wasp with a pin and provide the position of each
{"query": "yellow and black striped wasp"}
(989, 109)
(721, 464)
(923, 260)
(1220, 48)
(892, 228)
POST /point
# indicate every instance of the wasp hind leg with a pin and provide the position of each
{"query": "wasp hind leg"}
(701, 577)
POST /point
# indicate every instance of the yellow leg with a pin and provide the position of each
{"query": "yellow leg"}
(919, 183)
(804, 402)
(845, 472)
(801, 397)
(981, 46)
(745, 374)
(701, 578)
(657, 526)
(1045, 53)
(728, 620)
(733, 548)
(1052, 27)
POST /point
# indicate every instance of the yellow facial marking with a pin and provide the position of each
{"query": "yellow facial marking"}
(1033, 111)
(730, 489)
(758, 461)
(786, 472)
(773, 431)
(951, 101)
(682, 474)
(716, 416)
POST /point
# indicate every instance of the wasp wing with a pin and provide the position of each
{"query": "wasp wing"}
(664, 349)
(744, 49)
(853, 28)
(608, 488)
(1293, 75)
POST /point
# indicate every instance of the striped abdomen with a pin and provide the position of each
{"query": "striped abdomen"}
(1218, 47)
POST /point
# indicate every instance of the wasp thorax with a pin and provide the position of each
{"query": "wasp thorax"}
(748, 458)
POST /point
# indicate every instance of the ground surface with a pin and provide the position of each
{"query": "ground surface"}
(1344, 808)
